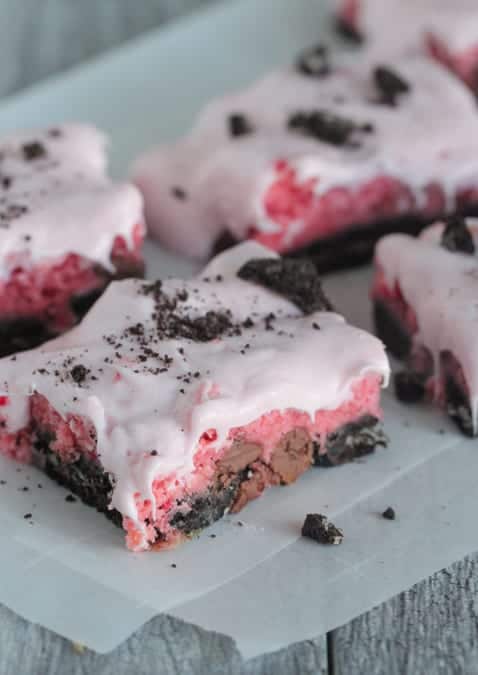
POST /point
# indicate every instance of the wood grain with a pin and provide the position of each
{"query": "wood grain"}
(430, 629)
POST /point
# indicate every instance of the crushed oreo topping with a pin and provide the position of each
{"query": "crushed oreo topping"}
(457, 237)
(390, 85)
(70, 499)
(33, 150)
(239, 125)
(328, 127)
(179, 193)
(6, 182)
(173, 322)
(317, 527)
(389, 514)
(314, 61)
(27, 516)
(79, 373)
(409, 387)
(295, 279)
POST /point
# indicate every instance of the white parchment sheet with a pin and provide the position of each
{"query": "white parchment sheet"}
(67, 567)
(258, 582)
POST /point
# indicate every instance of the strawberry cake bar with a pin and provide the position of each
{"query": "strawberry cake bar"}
(65, 231)
(319, 159)
(426, 311)
(197, 396)
(447, 30)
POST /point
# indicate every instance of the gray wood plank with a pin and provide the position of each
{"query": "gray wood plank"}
(304, 658)
(164, 645)
(430, 629)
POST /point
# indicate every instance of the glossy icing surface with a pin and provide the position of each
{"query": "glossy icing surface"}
(56, 198)
(211, 181)
(152, 383)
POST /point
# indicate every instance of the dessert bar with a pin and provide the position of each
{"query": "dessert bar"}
(197, 396)
(66, 230)
(320, 159)
(425, 297)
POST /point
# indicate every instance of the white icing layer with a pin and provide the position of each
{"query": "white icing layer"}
(220, 384)
(56, 198)
(442, 289)
(224, 179)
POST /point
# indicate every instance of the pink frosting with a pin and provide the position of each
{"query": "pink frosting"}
(56, 198)
(441, 287)
(208, 182)
(397, 25)
(150, 413)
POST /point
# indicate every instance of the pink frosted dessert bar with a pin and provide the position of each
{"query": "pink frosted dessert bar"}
(322, 158)
(425, 294)
(66, 230)
(445, 29)
(197, 396)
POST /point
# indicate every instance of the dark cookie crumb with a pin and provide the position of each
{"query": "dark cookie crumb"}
(457, 237)
(70, 498)
(389, 514)
(328, 127)
(173, 565)
(239, 125)
(348, 31)
(409, 387)
(3, 482)
(27, 516)
(314, 62)
(6, 182)
(390, 85)
(33, 150)
(317, 527)
(79, 373)
(213, 536)
(179, 193)
(295, 279)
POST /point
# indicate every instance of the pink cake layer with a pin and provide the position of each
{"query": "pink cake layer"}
(289, 200)
(45, 290)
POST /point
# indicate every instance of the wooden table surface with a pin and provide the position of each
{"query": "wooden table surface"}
(431, 629)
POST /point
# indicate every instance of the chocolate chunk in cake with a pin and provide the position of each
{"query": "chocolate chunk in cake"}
(457, 237)
(296, 280)
(317, 527)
